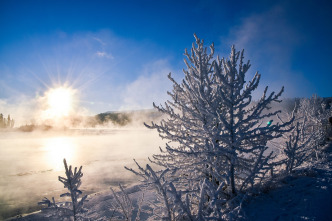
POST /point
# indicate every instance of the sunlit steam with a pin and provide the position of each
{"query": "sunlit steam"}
(58, 106)
(57, 149)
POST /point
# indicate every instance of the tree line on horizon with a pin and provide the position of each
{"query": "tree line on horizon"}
(6, 122)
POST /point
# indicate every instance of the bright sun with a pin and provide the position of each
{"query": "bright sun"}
(59, 101)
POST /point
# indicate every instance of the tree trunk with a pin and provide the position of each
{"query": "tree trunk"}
(233, 180)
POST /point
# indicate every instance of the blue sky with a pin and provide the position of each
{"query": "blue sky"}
(117, 54)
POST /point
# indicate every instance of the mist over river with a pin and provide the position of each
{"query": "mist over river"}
(30, 163)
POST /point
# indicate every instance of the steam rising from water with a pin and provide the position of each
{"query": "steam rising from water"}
(30, 163)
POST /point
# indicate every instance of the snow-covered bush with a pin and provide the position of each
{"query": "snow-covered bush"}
(162, 208)
(74, 207)
(296, 145)
(217, 139)
(172, 204)
(302, 144)
(314, 109)
(123, 208)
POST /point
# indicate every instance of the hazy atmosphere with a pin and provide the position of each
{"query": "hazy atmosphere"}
(31, 163)
(78, 80)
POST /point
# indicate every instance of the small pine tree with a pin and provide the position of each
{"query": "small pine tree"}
(72, 182)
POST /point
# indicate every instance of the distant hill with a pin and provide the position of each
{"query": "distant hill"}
(123, 118)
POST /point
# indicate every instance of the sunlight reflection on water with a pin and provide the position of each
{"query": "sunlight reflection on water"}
(58, 148)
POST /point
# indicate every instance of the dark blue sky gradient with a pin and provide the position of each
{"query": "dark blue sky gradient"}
(107, 48)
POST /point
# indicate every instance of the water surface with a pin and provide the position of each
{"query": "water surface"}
(30, 163)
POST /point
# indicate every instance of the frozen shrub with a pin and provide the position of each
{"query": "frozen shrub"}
(296, 147)
(316, 112)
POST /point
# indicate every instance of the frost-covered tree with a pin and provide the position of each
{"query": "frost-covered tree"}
(216, 134)
(72, 182)
(315, 110)
(241, 133)
(296, 145)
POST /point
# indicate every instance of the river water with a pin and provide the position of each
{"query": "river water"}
(30, 163)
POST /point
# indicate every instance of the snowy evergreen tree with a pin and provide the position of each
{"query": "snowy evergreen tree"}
(72, 182)
(216, 134)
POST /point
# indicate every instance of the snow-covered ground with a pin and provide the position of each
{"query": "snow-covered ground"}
(305, 195)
